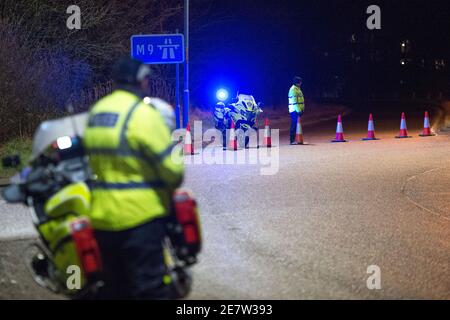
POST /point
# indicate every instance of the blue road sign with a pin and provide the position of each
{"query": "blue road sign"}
(158, 49)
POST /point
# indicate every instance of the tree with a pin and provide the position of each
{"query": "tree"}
(44, 64)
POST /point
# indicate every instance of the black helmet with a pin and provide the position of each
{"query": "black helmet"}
(129, 71)
(297, 79)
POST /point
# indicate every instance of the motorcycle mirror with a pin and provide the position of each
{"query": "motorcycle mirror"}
(13, 194)
(13, 161)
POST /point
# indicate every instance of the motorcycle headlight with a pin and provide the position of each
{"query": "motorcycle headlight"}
(65, 148)
(64, 143)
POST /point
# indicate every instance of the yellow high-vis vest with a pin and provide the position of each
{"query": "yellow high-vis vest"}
(130, 152)
(296, 100)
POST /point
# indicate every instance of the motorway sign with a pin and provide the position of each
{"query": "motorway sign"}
(158, 49)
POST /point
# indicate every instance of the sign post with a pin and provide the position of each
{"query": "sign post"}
(186, 66)
(177, 97)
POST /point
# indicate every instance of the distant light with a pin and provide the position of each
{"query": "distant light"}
(222, 95)
(147, 100)
(64, 143)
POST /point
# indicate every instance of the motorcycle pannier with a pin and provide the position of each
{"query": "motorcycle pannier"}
(184, 228)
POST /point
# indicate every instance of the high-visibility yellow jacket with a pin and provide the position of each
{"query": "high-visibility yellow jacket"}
(296, 100)
(130, 152)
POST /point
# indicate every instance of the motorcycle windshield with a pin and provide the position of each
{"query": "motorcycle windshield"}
(49, 131)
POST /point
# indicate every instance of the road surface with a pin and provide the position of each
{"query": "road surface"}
(311, 230)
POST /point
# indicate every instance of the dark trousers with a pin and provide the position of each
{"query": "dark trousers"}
(133, 263)
(294, 119)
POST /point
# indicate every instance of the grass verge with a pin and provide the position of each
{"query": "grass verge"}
(16, 146)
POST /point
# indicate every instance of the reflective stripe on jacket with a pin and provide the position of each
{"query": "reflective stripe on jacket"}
(296, 100)
(130, 152)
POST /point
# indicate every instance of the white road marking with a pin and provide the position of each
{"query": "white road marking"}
(420, 206)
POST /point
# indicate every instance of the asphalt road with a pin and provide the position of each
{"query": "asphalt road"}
(311, 230)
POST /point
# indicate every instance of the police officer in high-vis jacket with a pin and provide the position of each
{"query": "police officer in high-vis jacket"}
(130, 153)
(296, 106)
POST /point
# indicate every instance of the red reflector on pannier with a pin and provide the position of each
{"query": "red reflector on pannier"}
(190, 234)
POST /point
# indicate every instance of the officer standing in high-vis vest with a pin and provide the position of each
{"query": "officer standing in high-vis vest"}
(296, 106)
(130, 153)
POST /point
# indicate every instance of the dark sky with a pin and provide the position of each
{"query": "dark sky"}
(257, 46)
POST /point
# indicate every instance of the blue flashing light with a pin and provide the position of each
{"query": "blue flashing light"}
(222, 95)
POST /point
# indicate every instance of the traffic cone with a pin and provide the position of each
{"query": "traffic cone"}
(232, 142)
(267, 135)
(339, 131)
(188, 143)
(299, 132)
(426, 127)
(370, 130)
(403, 129)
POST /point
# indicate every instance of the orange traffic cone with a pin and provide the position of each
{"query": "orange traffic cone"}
(299, 132)
(267, 135)
(370, 130)
(403, 129)
(339, 131)
(188, 143)
(232, 142)
(426, 127)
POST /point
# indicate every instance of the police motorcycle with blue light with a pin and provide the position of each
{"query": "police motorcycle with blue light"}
(243, 111)
(55, 186)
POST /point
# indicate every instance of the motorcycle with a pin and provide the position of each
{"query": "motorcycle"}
(243, 111)
(55, 186)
